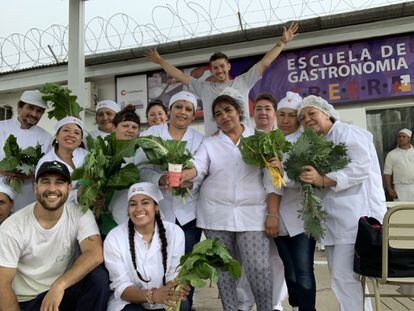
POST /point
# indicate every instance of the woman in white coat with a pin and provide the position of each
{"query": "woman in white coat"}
(349, 193)
(182, 108)
(235, 201)
(105, 113)
(142, 255)
(295, 248)
(67, 148)
(127, 124)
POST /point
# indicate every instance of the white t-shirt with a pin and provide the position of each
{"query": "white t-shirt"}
(208, 91)
(42, 255)
(25, 138)
(400, 164)
(97, 132)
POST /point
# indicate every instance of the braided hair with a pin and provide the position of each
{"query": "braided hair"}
(164, 243)
(163, 238)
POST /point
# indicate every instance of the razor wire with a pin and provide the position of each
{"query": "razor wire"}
(184, 19)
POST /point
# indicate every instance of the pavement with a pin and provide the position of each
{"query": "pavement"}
(206, 299)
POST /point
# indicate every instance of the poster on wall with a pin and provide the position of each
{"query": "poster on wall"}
(366, 70)
(132, 90)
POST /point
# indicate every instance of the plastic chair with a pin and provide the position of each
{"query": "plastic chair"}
(398, 232)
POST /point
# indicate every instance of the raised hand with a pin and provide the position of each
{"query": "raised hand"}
(290, 32)
(153, 56)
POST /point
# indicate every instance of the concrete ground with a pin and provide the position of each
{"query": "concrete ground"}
(206, 299)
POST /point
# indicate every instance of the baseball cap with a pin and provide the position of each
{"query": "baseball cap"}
(110, 104)
(33, 97)
(147, 188)
(53, 167)
(183, 95)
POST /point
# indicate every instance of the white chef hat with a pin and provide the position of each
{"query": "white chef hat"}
(68, 120)
(6, 189)
(33, 97)
(147, 188)
(291, 100)
(406, 132)
(183, 95)
(318, 103)
(110, 104)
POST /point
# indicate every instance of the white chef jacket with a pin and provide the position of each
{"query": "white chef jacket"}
(118, 261)
(78, 157)
(232, 194)
(358, 191)
(289, 221)
(97, 132)
(25, 138)
(173, 208)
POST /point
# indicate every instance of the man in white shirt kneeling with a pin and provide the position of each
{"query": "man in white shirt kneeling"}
(40, 265)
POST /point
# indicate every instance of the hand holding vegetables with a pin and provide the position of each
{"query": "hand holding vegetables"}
(263, 149)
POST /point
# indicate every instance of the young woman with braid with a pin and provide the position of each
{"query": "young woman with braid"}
(142, 255)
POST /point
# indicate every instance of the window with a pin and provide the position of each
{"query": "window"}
(6, 112)
(385, 124)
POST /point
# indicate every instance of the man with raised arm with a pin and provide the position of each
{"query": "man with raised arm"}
(40, 264)
(220, 67)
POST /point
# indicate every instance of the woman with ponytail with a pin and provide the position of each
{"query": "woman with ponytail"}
(142, 255)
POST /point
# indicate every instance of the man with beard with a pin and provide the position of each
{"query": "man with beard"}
(220, 68)
(30, 109)
(40, 265)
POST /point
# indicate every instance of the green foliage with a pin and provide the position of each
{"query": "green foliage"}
(63, 103)
(103, 170)
(314, 150)
(201, 263)
(263, 146)
(161, 152)
(17, 160)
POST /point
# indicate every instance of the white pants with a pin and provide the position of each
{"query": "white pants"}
(244, 293)
(344, 281)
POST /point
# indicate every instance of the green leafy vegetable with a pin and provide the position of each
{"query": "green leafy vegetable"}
(314, 150)
(19, 161)
(64, 104)
(202, 263)
(104, 171)
(161, 152)
(259, 148)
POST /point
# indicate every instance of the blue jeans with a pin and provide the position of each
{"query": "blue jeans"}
(297, 256)
(192, 236)
(90, 293)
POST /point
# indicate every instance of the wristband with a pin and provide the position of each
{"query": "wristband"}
(283, 41)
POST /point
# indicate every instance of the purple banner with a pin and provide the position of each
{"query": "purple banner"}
(364, 70)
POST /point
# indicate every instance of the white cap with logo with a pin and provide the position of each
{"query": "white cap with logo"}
(291, 101)
(110, 104)
(68, 120)
(6, 189)
(147, 188)
(183, 95)
(33, 97)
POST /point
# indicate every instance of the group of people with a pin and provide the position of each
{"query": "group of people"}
(51, 252)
